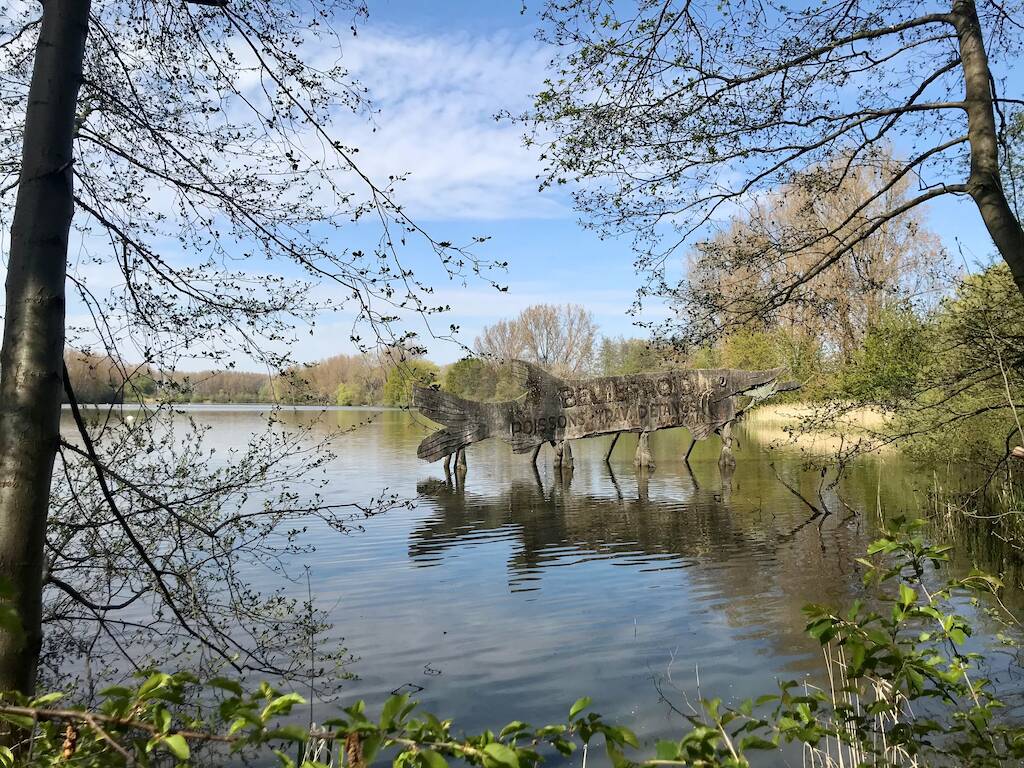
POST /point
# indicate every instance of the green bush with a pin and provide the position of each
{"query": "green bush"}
(400, 380)
(471, 378)
(904, 691)
(971, 375)
(886, 367)
(345, 395)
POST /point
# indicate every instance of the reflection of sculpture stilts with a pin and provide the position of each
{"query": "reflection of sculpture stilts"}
(693, 477)
(642, 476)
(563, 454)
(643, 458)
(536, 453)
(564, 476)
(615, 482)
(536, 477)
(608, 455)
(726, 471)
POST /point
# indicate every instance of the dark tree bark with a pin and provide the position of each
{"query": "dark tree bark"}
(33, 342)
(984, 184)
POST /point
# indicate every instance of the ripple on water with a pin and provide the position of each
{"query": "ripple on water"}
(514, 592)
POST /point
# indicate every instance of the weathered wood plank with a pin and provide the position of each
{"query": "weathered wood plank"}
(553, 409)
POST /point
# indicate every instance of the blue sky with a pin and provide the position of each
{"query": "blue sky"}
(438, 73)
(438, 77)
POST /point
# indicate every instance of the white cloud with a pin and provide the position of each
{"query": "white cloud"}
(436, 101)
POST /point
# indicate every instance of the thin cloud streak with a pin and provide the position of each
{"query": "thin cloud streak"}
(435, 102)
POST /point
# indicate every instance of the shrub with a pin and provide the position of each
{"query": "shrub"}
(400, 380)
(904, 691)
(886, 367)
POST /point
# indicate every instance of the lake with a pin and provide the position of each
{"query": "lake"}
(511, 594)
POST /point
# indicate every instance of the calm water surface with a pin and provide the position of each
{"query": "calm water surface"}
(509, 595)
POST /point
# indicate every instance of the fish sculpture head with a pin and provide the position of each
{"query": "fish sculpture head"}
(756, 385)
(738, 382)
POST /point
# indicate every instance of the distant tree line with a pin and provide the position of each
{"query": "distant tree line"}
(943, 365)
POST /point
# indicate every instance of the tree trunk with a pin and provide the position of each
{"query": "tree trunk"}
(984, 183)
(33, 343)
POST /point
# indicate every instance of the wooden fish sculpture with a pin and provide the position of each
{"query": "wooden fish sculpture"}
(553, 409)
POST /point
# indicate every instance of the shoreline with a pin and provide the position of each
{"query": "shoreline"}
(777, 423)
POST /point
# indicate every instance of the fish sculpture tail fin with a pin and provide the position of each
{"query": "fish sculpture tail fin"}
(532, 377)
(463, 419)
(443, 443)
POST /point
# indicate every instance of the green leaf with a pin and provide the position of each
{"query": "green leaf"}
(6, 757)
(42, 701)
(224, 683)
(281, 705)
(514, 727)
(621, 735)
(579, 706)
(155, 681)
(907, 595)
(392, 707)
(756, 742)
(501, 756)
(162, 720)
(666, 750)
(22, 721)
(177, 745)
(432, 759)
(117, 692)
(371, 746)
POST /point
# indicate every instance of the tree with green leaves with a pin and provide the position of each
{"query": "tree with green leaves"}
(188, 149)
(673, 115)
(471, 378)
(403, 375)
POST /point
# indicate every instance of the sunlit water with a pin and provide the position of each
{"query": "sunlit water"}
(512, 593)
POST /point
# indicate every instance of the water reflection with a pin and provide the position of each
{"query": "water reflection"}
(748, 544)
(512, 590)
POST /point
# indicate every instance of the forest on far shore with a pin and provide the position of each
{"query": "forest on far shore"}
(896, 358)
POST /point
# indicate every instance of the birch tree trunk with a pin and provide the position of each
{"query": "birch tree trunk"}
(985, 184)
(33, 340)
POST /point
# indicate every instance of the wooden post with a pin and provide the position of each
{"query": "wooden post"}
(460, 460)
(608, 456)
(727, 459)
(563, 454)
(643, 458)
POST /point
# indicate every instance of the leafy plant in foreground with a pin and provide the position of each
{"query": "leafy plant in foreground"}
(902, 690)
